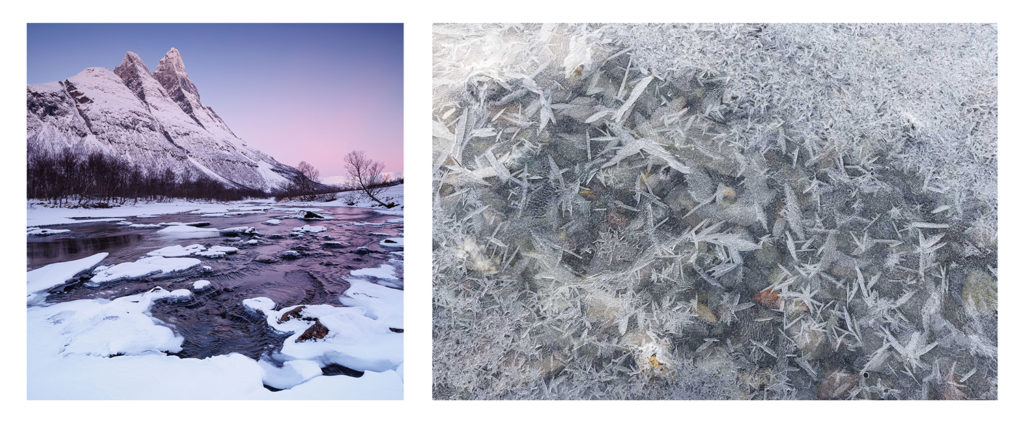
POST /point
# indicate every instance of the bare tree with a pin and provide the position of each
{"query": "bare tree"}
(311, 176)
(367, 176)
(310, 172)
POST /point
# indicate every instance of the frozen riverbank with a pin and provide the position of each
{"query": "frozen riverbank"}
(108, 319)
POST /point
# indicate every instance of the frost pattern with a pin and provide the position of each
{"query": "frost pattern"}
(714, 211)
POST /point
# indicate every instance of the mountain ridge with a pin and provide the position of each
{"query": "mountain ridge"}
(154, 119)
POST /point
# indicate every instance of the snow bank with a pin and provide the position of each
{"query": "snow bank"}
(355, 339)
(177, 251)
(372, 385)
(259, 304)
(36, 231)
(71, 347)
(187, 231)
(219, 251)
(152, 265)
(290, 374)
(194, 250)
(101, 327)
(237, 231)
(378, 302)
(52, 275)
(383, 272)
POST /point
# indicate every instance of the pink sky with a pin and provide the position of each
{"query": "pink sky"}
(299, 92)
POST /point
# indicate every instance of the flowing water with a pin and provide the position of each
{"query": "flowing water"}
(213, 321)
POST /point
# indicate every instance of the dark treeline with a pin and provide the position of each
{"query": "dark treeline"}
(306, 192)
(98, 180)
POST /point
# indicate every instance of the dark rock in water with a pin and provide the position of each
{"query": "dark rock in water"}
(362, 250)
(327, 237)
(295, 313)
(265, 259)
(199, 224)
(396, 330)
(310, 215)
(275, 237)
(316, 331)
(334, 245)
(290, 254)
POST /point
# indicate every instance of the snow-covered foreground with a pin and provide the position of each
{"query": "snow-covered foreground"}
(70, 348)
(116, 347)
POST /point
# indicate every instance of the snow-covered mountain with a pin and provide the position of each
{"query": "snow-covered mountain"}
(153, 119)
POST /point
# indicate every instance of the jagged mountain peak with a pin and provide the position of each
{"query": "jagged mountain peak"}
(172, 76)
(153, 119)
(133, 71)
(172, 62)
(133, 59)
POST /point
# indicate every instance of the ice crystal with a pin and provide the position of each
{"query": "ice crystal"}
(714, 211)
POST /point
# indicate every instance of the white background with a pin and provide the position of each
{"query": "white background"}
(418, 17)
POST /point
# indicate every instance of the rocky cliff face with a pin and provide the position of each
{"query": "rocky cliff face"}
(153, 119)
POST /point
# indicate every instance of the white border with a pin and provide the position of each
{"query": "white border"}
(418, 17)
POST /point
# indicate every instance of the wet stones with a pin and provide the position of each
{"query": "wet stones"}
(317, 331)
(334, 245)
(310, 215)
(265, 259)
(703, 312)
(980, 293)
(768, 298)
(292, 314)
(237, 231)
(201, 285)
(362, 250)
(837, 385)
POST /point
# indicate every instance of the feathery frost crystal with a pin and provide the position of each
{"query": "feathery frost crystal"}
(715, 211)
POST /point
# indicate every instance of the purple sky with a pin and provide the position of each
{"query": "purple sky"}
(310, 92)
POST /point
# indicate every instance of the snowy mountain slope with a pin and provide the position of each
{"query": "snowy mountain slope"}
(154, 119)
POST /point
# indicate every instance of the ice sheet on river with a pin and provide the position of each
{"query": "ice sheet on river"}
(152, 265)
(52, 275)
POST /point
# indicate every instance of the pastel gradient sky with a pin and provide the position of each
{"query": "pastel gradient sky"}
(298, 92)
